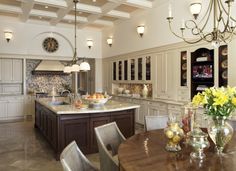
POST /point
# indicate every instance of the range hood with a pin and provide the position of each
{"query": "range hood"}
(49, 67)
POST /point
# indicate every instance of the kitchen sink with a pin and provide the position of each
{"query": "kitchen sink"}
(57, 103)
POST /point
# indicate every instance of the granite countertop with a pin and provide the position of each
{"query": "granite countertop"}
(153, 99)
(110, 106)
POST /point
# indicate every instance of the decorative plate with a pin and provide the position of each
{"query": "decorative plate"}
(224, 64)
(184, 57)
(224, 75)
(50, 44)
(184, 75)
(224, 52)
(184, 66)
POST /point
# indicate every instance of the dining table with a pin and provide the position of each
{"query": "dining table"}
(146, 152)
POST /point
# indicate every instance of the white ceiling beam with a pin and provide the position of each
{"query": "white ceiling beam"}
(26, 8)
(145, 4)
(10, 9)
(40, 13)
(118, 14)
(109, 6)
(61, 13)
(72, 18)
(53, 3)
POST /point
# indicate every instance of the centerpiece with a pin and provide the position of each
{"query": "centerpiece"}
(219, 104)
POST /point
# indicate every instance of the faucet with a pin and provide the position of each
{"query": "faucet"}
(68, 96)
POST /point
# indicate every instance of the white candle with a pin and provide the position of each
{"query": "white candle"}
(170, 11)
(183, 24)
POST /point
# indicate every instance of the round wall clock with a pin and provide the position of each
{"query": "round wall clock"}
(50, 44)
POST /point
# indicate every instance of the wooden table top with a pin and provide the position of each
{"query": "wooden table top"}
(146, 152)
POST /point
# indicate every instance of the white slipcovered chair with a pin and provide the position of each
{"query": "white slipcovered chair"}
(72, 159)
(109, 138)
(155, 122)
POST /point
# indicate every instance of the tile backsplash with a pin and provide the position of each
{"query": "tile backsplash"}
(136, 88)
(44, 83)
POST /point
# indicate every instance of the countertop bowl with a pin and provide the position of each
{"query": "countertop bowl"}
(97, 101)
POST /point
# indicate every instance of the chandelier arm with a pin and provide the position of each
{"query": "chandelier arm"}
(173, 31)
(227, 12)
(228, 19)
(207, 15)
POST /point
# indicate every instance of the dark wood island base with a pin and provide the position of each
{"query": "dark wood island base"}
(61, 129)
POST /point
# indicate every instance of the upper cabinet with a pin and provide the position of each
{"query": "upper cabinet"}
(11, 70)
(136, 70)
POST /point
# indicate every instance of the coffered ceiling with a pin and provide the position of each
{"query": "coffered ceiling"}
(91, 13)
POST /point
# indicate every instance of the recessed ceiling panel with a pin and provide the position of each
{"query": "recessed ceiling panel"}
(45, 8)
(126, 8)
(98, 3)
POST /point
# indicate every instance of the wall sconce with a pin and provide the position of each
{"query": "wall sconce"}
(8, 35)
(109, 41)
(140, 30)
(90, 43)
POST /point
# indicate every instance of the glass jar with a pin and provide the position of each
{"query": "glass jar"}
(174, 133)
(198, 141)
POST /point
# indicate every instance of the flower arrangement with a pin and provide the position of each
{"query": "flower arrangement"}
(218, 102)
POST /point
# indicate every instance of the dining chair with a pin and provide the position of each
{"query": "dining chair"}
(109, 138)
(155, 122)
(72, 159)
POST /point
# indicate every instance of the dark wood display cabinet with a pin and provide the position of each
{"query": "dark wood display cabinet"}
(60, 129)
(223, 66)
(202, 70)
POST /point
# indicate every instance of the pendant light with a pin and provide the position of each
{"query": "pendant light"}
(74, 66)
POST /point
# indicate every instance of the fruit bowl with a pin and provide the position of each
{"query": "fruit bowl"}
(97, 99)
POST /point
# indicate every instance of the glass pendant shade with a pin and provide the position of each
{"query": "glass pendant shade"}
(84, 66)
(75, 68)
(140, 30)
(109, 41)
(195, 8)
(67, 69)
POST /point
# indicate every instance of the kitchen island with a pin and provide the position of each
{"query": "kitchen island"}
(61, 124)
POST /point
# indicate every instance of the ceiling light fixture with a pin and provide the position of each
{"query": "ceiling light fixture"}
(140, 30)
(89, 43)
(223, 23)
(73, 66)
(8, 35)
(109, 41)
(46, 7)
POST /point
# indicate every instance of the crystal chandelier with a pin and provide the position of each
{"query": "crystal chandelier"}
(73, 65)
(223, 23)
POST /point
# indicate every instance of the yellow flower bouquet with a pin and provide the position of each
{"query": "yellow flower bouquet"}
(218, 102)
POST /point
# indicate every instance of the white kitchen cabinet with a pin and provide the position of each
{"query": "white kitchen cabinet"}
(166, 75)
(15, 108)
(6, 70)
(17, 70)
(11, 88)
(3, 109)
(157, 109)
(11, 71)
(142, 111)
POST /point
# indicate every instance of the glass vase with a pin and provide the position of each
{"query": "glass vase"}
(220, 132)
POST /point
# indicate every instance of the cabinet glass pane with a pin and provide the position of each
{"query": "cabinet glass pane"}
(125, 70)
(140, 68)
(120, 70)
(148, 68)
(114, 70)
(132, 69)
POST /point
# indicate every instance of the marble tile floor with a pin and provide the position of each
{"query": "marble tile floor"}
(22, 148)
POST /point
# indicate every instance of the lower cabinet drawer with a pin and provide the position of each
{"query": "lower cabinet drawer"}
(11, 89)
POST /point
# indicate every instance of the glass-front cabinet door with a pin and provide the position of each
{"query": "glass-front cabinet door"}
(132, 69)
(125, 70)
(120, 70)
(140, 68)
(114, 71)
(148, 67)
